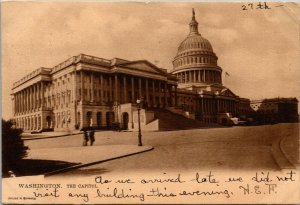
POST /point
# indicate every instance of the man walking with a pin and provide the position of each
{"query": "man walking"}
(85, 137)
(92, 136)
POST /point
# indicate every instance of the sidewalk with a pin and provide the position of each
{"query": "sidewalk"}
(85, 156)
(45, 135)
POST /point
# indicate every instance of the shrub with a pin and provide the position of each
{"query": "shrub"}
(13, 148)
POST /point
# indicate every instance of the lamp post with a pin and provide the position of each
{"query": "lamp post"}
(139, 101)
(117, 124)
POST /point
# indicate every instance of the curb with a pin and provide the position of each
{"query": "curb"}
(285, 153)
(39, 138)
(93, 163)
(279, 155)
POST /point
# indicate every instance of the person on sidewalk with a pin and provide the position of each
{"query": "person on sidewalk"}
(92, 136)
(85, 137)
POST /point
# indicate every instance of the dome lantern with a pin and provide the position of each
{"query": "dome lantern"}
(194, 25)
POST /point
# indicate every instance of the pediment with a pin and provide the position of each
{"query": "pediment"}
(143, 66)
(227, 93)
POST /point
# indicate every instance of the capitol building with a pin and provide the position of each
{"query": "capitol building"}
(88, 91)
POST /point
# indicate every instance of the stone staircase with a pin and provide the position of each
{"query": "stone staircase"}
(172, 121)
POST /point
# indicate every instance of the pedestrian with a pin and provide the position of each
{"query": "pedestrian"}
(85, 137)
(92, 136)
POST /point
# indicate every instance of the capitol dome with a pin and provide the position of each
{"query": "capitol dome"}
(196, 63)
(194, 42)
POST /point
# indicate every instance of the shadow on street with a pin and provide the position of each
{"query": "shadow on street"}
(29, 167)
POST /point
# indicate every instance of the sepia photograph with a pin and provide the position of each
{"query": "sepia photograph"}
(158, 102)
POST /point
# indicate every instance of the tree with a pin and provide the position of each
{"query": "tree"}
(13, 148)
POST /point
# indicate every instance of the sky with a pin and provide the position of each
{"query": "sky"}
(259, 48)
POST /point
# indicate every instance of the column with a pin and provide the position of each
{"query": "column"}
(236, 107)
(194, 76)
(214, 76)
(74, 91)
(204, 77)
(190, 76)
(176, 103)
(159, 92)
(185, 76)
(37, 96)
(132, 90)
(92, 87)
(42, 95)
(18, 102)
(147, 91)
(26, 100)
(153, 93)
(116, 88)
(110, 88)
(207, 76)
(102, 89)
(165, 93)
(181, 77)
(21, 101)
(34, 122)
(199, 76)
(81, 87)
(125, 88)
(34, 96)
(15, 104)
(140, 88)
(30, 99)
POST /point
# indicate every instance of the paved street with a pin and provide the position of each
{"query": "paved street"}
(242, 148)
